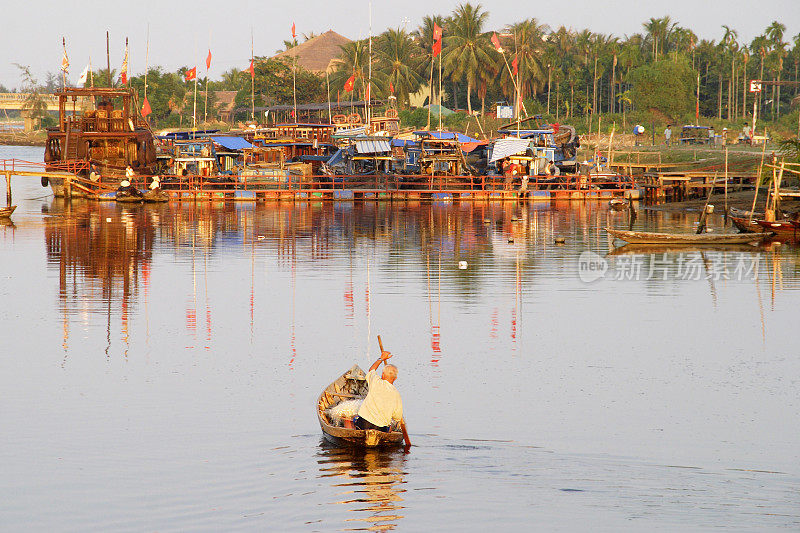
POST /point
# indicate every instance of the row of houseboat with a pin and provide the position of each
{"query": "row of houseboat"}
(109, 142)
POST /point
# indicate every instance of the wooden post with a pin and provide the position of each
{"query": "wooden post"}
(68, 187)
(8, 189)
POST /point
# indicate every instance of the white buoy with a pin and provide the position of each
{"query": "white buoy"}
(462, 265)
(108, 219)
(261, 237)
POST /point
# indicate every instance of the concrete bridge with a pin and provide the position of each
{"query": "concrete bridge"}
(15, 101)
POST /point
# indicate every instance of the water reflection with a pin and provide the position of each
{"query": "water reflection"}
(104, 253)
(369, 482)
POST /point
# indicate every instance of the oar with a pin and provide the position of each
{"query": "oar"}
(403, 421)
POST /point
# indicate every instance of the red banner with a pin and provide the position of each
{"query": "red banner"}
(208, 60)
(515, 65)
(146, 108)
(350, 83)
(251, 69)
(190, 74)
(496, 43)
(437, 40)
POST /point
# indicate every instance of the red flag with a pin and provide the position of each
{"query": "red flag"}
(251, 69)
(496, 43)
(146, 108)
(515, 65)
(350, 83)
(391, 88)
(190, 74)
(208, 60)
(437, 40)
(294, 34)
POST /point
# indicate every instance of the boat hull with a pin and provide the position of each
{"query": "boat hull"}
(643, 237)
(351, 385)
(5, 212)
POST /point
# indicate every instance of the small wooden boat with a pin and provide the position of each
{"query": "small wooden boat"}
(745, 225)
(131, 196)
(155, 195)
(646, 237)
(351, 385)
(5, 212)
(784, 228)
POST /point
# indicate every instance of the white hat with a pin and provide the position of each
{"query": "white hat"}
(125, 183)
(155, 184)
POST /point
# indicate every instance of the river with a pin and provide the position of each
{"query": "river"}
(161, 365)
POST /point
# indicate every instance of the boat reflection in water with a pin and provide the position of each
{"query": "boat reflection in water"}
(370, 482)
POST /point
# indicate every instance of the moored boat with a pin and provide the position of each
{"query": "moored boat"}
(5, 212)
(646, 237)
(352, 385)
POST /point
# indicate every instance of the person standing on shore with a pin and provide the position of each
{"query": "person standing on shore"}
(668, 134)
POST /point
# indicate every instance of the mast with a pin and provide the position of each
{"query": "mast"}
(369, 75)
(252, 78)
(328, 89)
(108, 59)
(63, 71)
(208, 66)
(146, 61)
(440, 92)
(194, 104)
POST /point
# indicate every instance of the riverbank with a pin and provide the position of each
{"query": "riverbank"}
(23, 138)
(739, 200)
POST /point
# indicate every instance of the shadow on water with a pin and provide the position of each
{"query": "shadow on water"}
(370, 482)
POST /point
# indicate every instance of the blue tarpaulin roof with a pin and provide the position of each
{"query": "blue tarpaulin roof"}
(231, 143)
(447, 135)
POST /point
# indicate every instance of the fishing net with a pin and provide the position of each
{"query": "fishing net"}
(344, 410)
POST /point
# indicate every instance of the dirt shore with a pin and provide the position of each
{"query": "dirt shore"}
(740, 200)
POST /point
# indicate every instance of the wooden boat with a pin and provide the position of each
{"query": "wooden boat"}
(351, 385)
(785, 228)
(128, 197)
(5, 212)
(646, 237)
(649, 249)
(745, 225)
(155, 195)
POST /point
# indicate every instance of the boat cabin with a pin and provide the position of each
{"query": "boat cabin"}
(100, 125)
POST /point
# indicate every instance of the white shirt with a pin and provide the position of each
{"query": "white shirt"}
(382, 403)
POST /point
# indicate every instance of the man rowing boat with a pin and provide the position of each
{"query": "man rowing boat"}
(383, 403)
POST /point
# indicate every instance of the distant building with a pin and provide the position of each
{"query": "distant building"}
(318, 54)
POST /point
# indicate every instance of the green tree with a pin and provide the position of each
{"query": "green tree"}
(398, 63)
(664, 87)
(466, 49)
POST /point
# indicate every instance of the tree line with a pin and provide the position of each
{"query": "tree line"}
(562, 73)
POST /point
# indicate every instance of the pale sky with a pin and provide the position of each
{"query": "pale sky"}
(181, 31)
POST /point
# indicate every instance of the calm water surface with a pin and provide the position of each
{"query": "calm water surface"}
(161, 364)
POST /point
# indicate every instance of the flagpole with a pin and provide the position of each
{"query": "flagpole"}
(194, 105)
(64, 72)
(252, 78)
(108, 59)
(440, 91)
(369, 78)
(430, 86)
(208, 66)
(294, 77)
(328, 89)
(146, 66)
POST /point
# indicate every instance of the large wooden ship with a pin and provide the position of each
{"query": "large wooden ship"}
(100, 133)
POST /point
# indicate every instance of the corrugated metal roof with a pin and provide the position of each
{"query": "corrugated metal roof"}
(373, 146)
(506, 147)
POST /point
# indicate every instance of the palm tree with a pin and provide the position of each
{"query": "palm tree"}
(731, 46)
(352, 62)
(466, 49)
(424, 35)
(529, 47)
(398, 60)
(774, 33)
